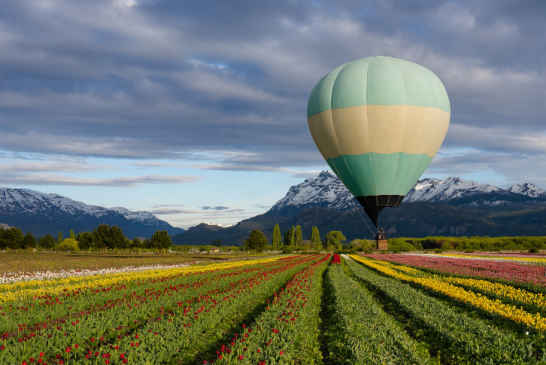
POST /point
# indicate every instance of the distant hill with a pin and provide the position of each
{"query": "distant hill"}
(451, 207)
(41, 213)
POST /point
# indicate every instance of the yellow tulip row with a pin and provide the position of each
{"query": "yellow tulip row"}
(496, 289)
(526, 259)
(475, 299)
(63, 285)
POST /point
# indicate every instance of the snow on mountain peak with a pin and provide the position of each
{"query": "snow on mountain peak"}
(327, 191)
(35, 202)
(435, 190)
(528, 189)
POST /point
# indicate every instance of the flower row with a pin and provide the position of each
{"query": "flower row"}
(460, 338)
(153, 318)
(534, 275)
(370, 336)
(476, 300)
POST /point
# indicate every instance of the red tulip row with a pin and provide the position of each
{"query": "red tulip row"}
(96, 329)
(337, 259)
(286, 332)
(178, 332)
(83, 300)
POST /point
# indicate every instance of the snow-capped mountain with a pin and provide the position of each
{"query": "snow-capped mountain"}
(143, 217)
(527, 189)
(39, 213)
(443, 191)
(327, 191)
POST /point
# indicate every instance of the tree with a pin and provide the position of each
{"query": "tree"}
(146, 243)
(137, 243)
(68, 244)
(333, 240)
(161, 240)
(315, 238)
(286, 239)
(292, 236)
(256, 241)
(47, 242)
(29, 241)
(214, 242)
(60, 237)
(72, 235)
(11, 238)
(219, 242)
(117, 238)
(298, 236)
(106, 237)
(85, 241)
(276, 241)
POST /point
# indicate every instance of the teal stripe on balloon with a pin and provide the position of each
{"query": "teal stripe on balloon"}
(378, 81)
(379, 173)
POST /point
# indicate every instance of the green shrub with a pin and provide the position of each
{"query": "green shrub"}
(469, 251)
(533, 250)
(287, 249)
(438, 250)
(68, 244)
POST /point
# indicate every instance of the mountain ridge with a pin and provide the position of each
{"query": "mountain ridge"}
(42, 213)
(452, 206)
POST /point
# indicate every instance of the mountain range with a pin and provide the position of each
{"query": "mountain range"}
(453, 206)
(42, 213)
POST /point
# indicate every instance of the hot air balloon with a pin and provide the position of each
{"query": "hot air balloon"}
(378, 122)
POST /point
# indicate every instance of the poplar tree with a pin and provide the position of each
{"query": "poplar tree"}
(287, 237)
(298, 236)
(315, 238)
(276, 241)
(292, 236)
(60, 238)
(72, 235)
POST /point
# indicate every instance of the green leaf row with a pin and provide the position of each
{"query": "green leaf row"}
(464, 340)
(370, 335)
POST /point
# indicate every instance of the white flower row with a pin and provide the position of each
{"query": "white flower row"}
(14, 277)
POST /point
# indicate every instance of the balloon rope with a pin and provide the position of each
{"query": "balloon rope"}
(353, 200)
(361, 216)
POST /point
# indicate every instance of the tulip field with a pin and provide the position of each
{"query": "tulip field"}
(306, 309)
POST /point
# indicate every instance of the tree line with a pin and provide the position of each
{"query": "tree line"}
(101, 239)
(292, 240)
(482, 243)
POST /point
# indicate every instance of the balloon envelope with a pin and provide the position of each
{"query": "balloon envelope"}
(378, 122)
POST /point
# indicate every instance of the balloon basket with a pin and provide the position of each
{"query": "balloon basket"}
(382, 245)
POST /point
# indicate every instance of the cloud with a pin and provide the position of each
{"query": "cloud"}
(226, 87)
(215, 208)
(144, 165)
(55, 179)
(80, 166)
(173, 211)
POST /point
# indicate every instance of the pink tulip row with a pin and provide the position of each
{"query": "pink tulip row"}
(509, 254)
(487, 269)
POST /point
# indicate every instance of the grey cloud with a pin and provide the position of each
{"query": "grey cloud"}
(173, 211)
(218, 207)
(188, 80)
(81, 166)
(56, 179)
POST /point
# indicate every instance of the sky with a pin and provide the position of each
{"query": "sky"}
(196, 110)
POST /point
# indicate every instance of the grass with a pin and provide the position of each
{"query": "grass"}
(30, 262)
